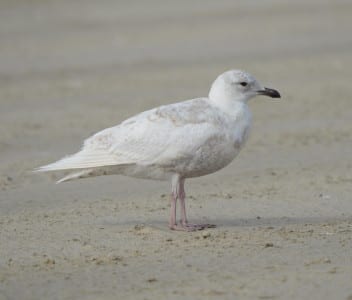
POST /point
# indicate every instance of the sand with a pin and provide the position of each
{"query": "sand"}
(283, 208)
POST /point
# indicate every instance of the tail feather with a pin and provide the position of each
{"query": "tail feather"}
(81, 160)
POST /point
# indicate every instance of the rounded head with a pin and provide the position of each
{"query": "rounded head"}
(237, 85)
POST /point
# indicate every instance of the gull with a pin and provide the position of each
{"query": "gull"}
(173, 142)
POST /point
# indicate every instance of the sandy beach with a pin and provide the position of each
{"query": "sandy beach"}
(283, 208)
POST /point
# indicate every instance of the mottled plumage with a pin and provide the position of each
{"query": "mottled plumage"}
(173, 142)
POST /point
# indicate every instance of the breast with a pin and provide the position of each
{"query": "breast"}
(241, 129)
(220, 150)
(240, 139)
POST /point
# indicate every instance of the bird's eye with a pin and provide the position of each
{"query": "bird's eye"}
(243, 83)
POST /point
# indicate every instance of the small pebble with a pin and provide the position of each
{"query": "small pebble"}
(205, 234)
(139, 227)
(49, 261)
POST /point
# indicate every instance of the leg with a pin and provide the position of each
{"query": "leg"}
(172, 221)
(184, 221)
(178, 192)
(174, 196)
(182, 196)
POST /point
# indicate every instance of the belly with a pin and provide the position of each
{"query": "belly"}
(214, 155)
(208, 159)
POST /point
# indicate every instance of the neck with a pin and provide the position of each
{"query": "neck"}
(226, 103)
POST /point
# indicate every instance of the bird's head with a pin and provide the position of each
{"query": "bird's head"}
(237, 85)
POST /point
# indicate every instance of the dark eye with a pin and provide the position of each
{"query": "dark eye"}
(243, 83)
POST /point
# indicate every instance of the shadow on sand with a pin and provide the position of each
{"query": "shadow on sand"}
(223, 223)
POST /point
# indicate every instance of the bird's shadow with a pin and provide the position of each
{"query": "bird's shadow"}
(233, 223)
(281, 221)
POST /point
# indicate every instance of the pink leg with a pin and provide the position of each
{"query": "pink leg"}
(178, 192)
(182, 196)
(172, 221)
(174, 196)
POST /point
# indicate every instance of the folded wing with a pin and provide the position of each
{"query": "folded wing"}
(157, 136)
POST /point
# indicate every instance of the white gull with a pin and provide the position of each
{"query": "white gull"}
(173, 142)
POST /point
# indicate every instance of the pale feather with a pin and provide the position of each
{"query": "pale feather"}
(165, 135)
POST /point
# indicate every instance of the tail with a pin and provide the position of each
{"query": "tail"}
(81, 160)
(90, 163)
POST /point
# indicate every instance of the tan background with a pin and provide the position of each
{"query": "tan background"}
(283, 208)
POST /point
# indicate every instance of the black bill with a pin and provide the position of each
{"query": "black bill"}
(270, 92)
